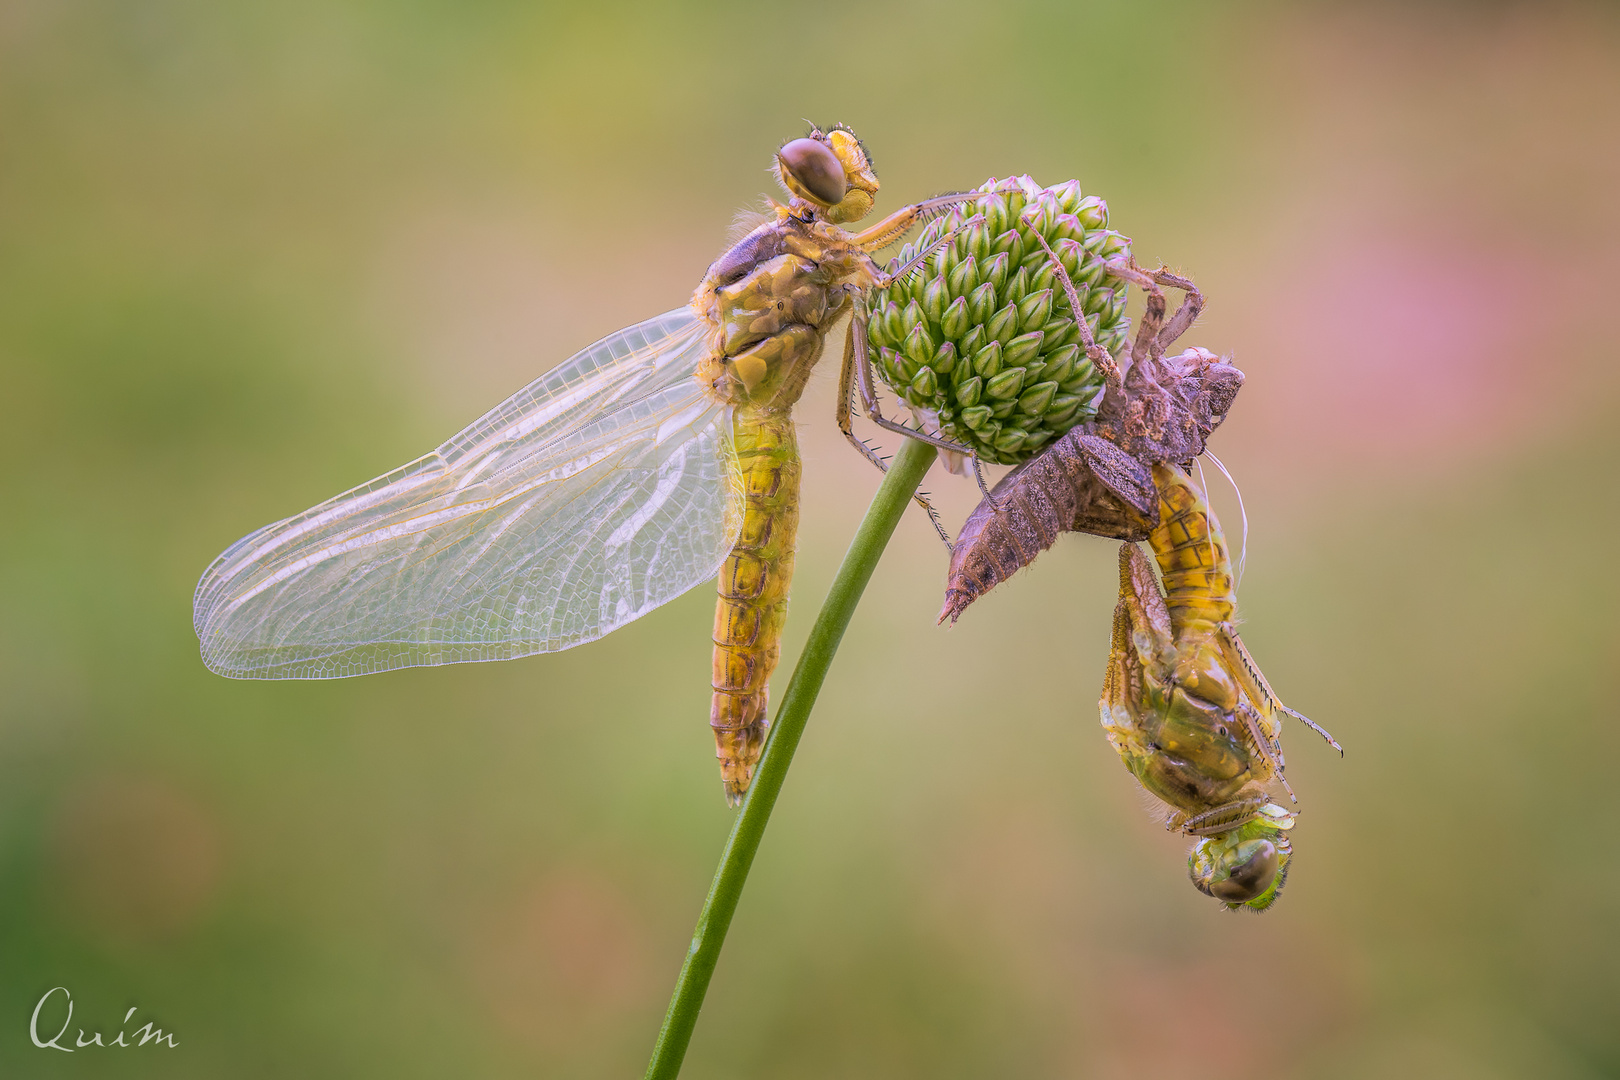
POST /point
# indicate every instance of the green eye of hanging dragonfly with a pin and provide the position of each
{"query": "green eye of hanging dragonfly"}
(646, 464)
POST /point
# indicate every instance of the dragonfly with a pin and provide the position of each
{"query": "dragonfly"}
(660, 457)
(1184, 704)
(1189, 711)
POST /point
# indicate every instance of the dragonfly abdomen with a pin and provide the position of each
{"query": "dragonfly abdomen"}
(753, 587)
(1191, 553)
(1074, 485)
(1023, 518)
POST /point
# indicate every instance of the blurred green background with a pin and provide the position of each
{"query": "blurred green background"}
(253, 254)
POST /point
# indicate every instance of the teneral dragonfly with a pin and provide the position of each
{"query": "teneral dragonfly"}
(1188, 709)
(1183, 702)
(650, 462)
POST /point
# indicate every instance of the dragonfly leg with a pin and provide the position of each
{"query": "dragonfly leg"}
(921, 499)
(897, 224)
(1152, 314)
(1314, 726)
(1099, 356)
(1155, 334)
(989, 496)
(874, 413)
(1269, 748)
(846, 387)
(846, 410)
(1220, 819)
(860, 358)
(885, 279)
(1262, 690)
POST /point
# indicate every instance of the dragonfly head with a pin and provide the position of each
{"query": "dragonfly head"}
(829, 173)
(1248, 866)
(1206, 385)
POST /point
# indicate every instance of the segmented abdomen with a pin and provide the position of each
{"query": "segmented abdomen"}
(1191, 552)
(1036, 505)
(753, 587)
(1074, 485)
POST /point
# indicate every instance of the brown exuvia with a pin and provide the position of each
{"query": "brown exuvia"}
(1098, 478)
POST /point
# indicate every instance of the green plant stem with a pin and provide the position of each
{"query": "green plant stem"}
(905, 473)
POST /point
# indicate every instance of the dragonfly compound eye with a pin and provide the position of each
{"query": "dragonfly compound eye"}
(811, 170)
(1250, 869)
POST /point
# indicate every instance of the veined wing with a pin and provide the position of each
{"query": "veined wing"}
(600, 491)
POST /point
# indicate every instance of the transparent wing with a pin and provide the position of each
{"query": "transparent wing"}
(605, 488)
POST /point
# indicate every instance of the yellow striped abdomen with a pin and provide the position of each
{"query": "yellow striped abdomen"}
(753, 588)
(1192, 555)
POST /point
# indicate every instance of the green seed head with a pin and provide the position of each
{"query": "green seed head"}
(976, 417)
(1003, 325)
(936, 294)
(925, 384)
(981, 304)
(995, 270)
(987, 361)
(1006, 385)
(983, 337)
(1023, 350)
(967, 393)
(1017, 287)
(1092, 212)
(1034, 309)
(910, 316)
(964, 278)
(919, 345)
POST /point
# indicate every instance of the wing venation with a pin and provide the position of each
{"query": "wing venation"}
(605, 488)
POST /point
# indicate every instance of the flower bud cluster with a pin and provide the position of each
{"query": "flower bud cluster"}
(982, 338)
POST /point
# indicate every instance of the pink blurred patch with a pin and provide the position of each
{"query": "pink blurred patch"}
(132, 859)
(1248, 1002)
(1401, 347)
(1428, 242)
(567, 953)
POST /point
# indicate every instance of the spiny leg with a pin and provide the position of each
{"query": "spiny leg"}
(1152, 321)
(1099, 356)
(862, 361)
(1314, 726)
(989, 496)
(921, 499)
(1265, 744)
(1263, 688)
(1164, 333)
(1191, 307)
(874, 412)
(1220, 819)
(846, 409)
(846, 389)
(888, 278)
(897, 224)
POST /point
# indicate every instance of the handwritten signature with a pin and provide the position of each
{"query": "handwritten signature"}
(147, 1032)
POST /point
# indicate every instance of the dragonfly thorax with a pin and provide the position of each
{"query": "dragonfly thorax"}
(1187, 753)
(771, 300)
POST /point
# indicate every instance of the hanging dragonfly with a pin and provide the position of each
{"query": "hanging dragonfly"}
(1183, 703)
(654, 460)
(1188, 709)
